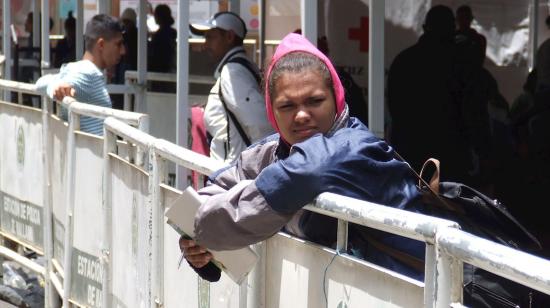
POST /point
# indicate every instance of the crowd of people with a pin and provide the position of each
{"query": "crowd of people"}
(444, 103)
(439, 96)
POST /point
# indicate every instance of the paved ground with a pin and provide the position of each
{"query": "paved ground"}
(6, 305)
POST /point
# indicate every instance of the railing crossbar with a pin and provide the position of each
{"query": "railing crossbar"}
(408, 224)
(507, 262)
(131, 118)
(129, 133)
(447, 245)
(20, 87)
(187, 158)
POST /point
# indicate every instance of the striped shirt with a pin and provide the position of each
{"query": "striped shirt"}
(89, 84)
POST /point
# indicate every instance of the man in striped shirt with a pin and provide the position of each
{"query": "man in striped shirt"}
(84, 79)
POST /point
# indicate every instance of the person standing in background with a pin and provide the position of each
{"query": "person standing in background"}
(65, 50)
(426, 119)
(84, 79)
(235, 114)
(464, 19)
(161, 53)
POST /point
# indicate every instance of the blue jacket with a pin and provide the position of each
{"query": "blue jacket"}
(267, 187)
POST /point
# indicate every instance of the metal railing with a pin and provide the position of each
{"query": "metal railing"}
(447, 247)
(443, 271)
(77, 109)
(48, 270)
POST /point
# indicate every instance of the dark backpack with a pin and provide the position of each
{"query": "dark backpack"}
(482, 216)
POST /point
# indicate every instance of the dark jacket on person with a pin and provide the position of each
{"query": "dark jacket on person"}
(267, 187)
(426, 118)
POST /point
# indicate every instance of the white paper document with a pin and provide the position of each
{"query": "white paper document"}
(181, 216)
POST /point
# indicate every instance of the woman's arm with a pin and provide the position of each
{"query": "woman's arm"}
(352, 163)
(235, 218)
(235, 214)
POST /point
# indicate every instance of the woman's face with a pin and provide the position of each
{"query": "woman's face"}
(303, 105)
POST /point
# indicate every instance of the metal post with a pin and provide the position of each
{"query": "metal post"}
(182, 92)
(261, 34)
(144, 127)
(309, 20)
(342, 236)
(157, 176)
(448, 284)
(36, 36)
(376, 67)
(35, 23)
(103, 7)
(50, 300)
(235, 6)
(79, 44)
(142, 58)
(45, 63)
(127, 96)
(429, 276)
(243, 293)
(109, 146)
(74, 121)
(256, 279)
(6, 44)
(534, 33)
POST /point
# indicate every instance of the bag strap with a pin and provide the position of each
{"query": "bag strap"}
(434, 180)
(403, 257)
(230, 114)
(433, 186)
(229, 58)
(242, 61)
(248, 65)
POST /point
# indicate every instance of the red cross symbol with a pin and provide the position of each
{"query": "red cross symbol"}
(361, 34)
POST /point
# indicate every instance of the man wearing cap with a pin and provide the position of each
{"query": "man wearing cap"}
(84, 79)
(235, 113)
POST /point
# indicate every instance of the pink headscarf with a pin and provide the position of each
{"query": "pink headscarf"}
(295, 42)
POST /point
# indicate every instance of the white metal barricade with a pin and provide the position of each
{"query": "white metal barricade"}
(131, 82)
(133, 177)
(456, 246)
(415, 226)
(43, 142)
(27, 187)
(85, 262)
(134, 263)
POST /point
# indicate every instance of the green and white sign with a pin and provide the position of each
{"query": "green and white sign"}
(58, 238)
(87, 274)
(21, 219)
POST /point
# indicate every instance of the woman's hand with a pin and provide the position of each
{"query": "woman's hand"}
(197, 255)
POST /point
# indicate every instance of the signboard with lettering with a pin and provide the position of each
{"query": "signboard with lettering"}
(21, 219)
(21, 174)
(87, 275)
(88, 221)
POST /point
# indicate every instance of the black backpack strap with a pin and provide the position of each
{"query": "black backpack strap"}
(242, 61)
(234, 120)
(248, 65)
(228, 58)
